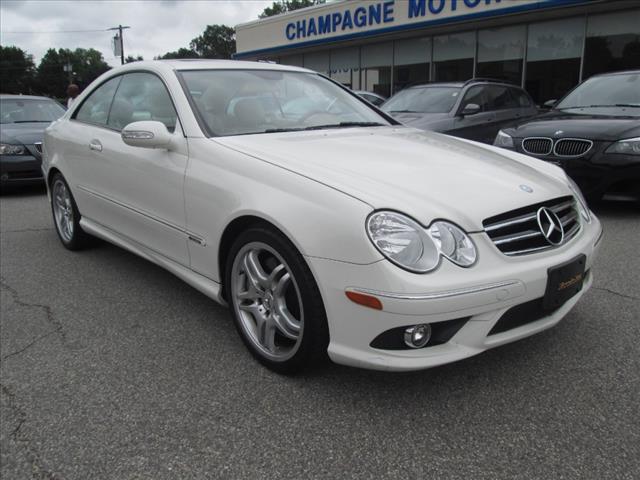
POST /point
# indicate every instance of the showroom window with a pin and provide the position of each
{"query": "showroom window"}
(613, 43)
(553, 58)
(412, 60)
(453, 56)
(376, 68)
(345, 67)
(500, 53)
(318, 61)
(293, 60)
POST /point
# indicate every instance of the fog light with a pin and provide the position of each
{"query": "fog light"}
(417, 336)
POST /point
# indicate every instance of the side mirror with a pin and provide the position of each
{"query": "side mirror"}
(550, 103)
(146, 134)
(470, 109)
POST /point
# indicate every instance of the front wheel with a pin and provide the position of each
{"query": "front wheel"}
(275, 301)
(66, 216)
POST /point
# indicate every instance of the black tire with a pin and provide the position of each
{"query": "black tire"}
(312, 346)
(79, 239)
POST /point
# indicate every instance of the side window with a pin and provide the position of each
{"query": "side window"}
(142, 96)
(474, 95)
(95, 109)
(521, 98)
(499, 98)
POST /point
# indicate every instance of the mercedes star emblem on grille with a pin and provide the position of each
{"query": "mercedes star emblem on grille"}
(550, 226)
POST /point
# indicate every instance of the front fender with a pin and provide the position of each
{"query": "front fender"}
(222, 185)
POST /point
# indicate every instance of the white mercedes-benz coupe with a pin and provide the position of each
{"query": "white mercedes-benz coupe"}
(324, 224)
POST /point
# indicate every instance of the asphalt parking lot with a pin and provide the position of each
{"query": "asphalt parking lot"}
(114, 369)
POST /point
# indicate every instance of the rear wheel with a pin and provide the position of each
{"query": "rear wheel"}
(66, 216)
(275, 301)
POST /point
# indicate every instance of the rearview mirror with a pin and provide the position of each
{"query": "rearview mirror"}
(470, 109)
(146, 134)
(550, 103)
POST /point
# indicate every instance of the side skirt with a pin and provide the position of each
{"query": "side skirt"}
(201, 283)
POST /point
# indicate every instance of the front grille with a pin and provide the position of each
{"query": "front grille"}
(38, 147)
(572, 147)
(517, 232)
(537, 145)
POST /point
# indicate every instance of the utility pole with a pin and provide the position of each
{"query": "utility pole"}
(120, 28)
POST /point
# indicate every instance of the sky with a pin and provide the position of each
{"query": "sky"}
(157, 27)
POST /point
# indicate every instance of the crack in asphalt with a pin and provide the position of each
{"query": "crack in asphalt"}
(29, 345)
(57, 325)
(38, 470)
(613, 292)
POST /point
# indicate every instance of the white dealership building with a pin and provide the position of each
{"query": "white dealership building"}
(382, 46)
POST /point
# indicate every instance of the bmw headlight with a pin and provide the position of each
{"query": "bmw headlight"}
(630, 146)
(582, 203)
(8, 149)
(503, 140)
(409, 245)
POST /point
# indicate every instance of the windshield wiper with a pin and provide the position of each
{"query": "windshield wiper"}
(344, 125)
(403, 111)
(321, 127)
(32, 121)
(603, 106)
(278, 130)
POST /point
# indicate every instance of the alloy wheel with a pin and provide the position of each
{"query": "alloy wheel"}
(267, 301)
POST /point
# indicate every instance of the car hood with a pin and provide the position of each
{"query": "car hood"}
(420, 120)
(23, 133)
(423, 174)
(591, 123)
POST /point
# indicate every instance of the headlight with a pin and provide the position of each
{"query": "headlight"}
(453, 243)
(582, 203)
(8, 149)
(409, 245)
(503, 140)
(630, 146)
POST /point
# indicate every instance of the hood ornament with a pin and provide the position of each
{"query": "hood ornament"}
(550, 226)
(558, 133)
(526, 188)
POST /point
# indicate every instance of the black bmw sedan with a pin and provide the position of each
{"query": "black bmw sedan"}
(593, 133)
(23, 119)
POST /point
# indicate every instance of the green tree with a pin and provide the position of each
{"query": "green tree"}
(180, 53)
(131, 58)
(284, 6)
(217, 41)
(17, 70)
(85, 66)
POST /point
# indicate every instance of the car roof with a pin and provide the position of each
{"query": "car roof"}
(5, 96)
(621, 72)
(206, 64)
(471, 81)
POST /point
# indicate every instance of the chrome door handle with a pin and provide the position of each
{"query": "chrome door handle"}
(95, 145)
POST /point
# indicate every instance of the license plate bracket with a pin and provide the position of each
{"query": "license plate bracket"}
(563, 282)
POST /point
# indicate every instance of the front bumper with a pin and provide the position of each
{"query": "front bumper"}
(481, 294)
(20, 170)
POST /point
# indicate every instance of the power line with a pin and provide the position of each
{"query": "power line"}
(57, 31)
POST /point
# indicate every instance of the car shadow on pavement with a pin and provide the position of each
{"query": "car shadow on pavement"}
(615, 209)
(24, 191)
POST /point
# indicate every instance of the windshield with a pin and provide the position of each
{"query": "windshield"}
(17, 110)
(606, 91)
(239, 102)
(423, 100)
